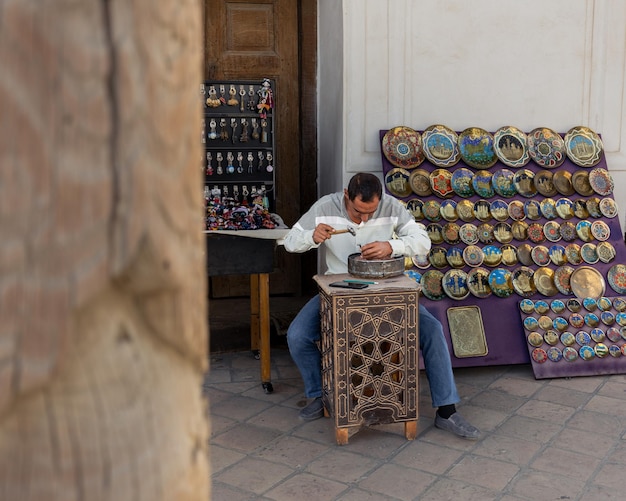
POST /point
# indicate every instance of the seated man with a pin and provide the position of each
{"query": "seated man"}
(384, 229)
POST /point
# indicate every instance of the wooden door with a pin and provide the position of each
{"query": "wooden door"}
(252, 40)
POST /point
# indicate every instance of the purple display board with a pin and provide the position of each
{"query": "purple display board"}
(504, 331)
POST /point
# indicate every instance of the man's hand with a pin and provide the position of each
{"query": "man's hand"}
(376, 250)
(322, 233)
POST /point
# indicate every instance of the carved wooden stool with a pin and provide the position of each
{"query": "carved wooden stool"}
(369, 344)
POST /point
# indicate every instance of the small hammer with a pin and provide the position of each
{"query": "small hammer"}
(347, 230)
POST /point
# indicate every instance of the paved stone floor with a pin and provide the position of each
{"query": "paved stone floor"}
(541, 440)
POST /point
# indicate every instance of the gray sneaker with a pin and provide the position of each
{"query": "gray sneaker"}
(457, 425)
(313, 411)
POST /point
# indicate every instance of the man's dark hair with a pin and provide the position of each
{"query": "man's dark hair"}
(366, 185)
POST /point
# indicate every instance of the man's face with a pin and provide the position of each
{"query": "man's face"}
(358, 210)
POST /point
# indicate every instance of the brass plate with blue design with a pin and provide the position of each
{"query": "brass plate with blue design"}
(511, 146)
(481, 182)
(419, 180)
(583, 146)
(467, 332)
(601, 181)
(402, 146)
(478, 282)
(476, 147)
(523, 283)
(462, 182)
(454, 283)
(524, 183)
(502, 181)
(544, 184)
(546, 147)
(500, 281)
(432, 286)
(441, 183)
(440, 145)
(397, 182)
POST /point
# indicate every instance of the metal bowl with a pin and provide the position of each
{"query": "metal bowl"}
(375, 268)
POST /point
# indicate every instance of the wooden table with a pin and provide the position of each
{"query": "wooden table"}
(249, 252)
(370, 353)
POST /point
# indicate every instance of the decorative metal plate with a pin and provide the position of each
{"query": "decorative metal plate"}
(535, 233)
(509, 255)
(580, 209)
(473, 255)
(432, 286)
(587, 282)
(499, 210)
(544, 281)
(465, 210)
(590, 303)
(617, 278)
(548, 208)
(454, 283)
(565, 208)
(502, 181)
(478, 282)
(482, 210)
(432, 210)
(527, 306)
(572, 253)
(601, 181)
(441, 183)
(481, 182)
(557, 306)
(435, 233)
(476, 147)
(606, 252)
(485, 233)
(563, 183)
(608, 207)
(397, 182)
(562, 276)
(454, 256)
(552, 231)
(440, 145)
(583, 146)
(524, 181)
(516, 210)
(469, 234)
(523, 254)
(544, 184)
(419, 180)
(502, 232)
(541, 307)
(500, 281)
(568, 231)
(540, 255)
(583, 230)
(448, 210)
(523, 281)
(415, 207)
(421, 262)
(467, 332)
(593, 206)
(519, 229)
(437, 257)
(451, 233)
(557, 255)
(600, 230)
(493, 255)
(546, 147)
(402, 146)
(462, 182)
(580, 182)
(511, 146)
(532, 209)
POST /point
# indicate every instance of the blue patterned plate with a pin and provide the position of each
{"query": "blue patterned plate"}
(546, 147)
(583, 146)
(462, 182)
(502, 181)
(441, 145)
(481, 182)
(476, 147)
(500, 282)
(511, 146)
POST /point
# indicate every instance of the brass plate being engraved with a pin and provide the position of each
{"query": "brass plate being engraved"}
(467, 332)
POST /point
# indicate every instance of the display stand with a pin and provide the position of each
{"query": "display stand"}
(504, 333)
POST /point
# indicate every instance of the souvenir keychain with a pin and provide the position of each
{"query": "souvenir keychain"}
(240, 160)
(203, 131)
(269, 167)
(263, 131)
(230, 168)
(250, 160)
(261, 156)
(255, 129)
(212, 127)
(233, 126)
(209, 159)
(251, 103)
(242, 96)
(212, 101)
(244, 131)
(232, 101)
(220, 158)
(223, 130)
(222, 93)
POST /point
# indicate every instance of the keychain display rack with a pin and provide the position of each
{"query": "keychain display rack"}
(238, 139)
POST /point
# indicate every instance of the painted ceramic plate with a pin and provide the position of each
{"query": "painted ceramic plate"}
(419, 180)
(462, 182)
(601, 181)
(583, 230)
(608, 207)
(617, 278)
(454, 283)
(561, 279)
(557, 255)
(493, 255)
(478, 282)
(435, 233)
(465, 210)
(532, 209)
(511, 146)
(441, 183)
(552, 231)
(565, 208)
(421, 262)
(476, 147)
(440, 145)
(481, 182)
(500, 282)
(397, 182)
(546, 147)
(583, 146)
(522, 280)
(482, 210)
(432, 286)
(473, 255)
(587, 282)
(544, 281)
(516, 210)
(593, 206)
(432, 210)
(524, 181)
(402, 146)
(563, 183)
(572, 254)
(502, 181)
(499, 210)
(580, 183)
(469, 234)
(606, 252)
(600, 230)
(451, 233)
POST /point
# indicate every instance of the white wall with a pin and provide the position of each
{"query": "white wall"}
(485, 63)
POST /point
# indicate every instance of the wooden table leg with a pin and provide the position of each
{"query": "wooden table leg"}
(410, 430)
(255, 326)
(341, 435)
(264, 331)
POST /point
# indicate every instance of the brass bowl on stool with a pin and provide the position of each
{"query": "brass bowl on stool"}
(375, 268)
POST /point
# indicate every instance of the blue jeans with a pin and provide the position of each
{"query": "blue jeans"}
(304, 332)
